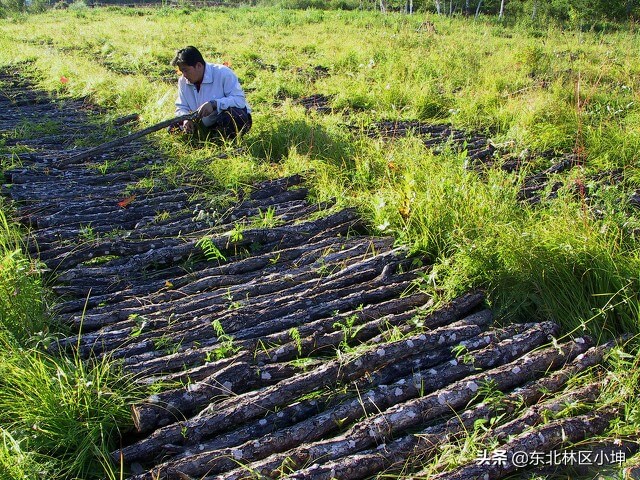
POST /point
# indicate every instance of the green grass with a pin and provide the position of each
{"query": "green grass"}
(62, 412)
(530, 89)
(22, 298)
(59, 416)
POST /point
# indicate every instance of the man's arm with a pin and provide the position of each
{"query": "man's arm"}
(182, 105)
(182, 101)
(233, 93)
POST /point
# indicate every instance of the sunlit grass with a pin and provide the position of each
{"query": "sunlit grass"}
(59, 417)
(64, 412)
(573, 260)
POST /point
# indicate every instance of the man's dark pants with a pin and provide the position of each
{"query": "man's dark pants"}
(228, 124)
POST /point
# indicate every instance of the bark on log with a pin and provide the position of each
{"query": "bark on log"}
(271, 188)
(378, 428)
(146, 225)
(187, 316)
(396, 455)
(75, 198)
(27, 176)
(254, 403)
(114, 215)
(238, 321)
(423, 361)
(536, 414)
(46, 192)
(270, 423)
(105, 317)
(237, 378)
(402, 453)
(385, 287)
(207, 278)
(375, 400)
(266, 202)
(385, 376)
(285, 236)
(149, 363)
(552, 436)
(121, 270)
(75, 255)
(123, 313)
(149, 416)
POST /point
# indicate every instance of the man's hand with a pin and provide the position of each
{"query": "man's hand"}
(187, 126)
(206, 109)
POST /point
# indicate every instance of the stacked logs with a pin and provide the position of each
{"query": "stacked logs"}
(288, 344)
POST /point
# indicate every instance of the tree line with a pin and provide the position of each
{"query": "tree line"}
(560, 10)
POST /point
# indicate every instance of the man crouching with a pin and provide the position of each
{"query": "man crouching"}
(213, 91)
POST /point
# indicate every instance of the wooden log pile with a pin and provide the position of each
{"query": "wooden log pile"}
(291, 344)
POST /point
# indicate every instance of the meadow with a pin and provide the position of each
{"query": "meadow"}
(534, 90)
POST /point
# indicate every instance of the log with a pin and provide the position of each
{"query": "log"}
(384, 376)
(411, 414)
(240, 375)
(82, 210)
(382, 288)
(402, 454)
(238, 321)
(221, 416)
(107, 236)
(270, 188)
(75, 255)
(373, 401)
(116, 312)
(286, 196)
(536, 414)
(29, 176)
(193, 283)
(550, 437)
(423, 361)
(114, 216)
(285, 236)
(150, 363)
(122, 141)
(419, 448)
(123, 269)
(397, 454)
(259, 428)
(187, 316)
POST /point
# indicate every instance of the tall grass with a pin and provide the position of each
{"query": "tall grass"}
(533, 88)
(59, 416)
(21, 292)
(558, 262)
(530, 88)
(62, 414)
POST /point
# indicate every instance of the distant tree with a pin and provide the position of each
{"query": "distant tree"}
(478, 8)
(501, 14)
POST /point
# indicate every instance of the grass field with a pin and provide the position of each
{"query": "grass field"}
(531, 90)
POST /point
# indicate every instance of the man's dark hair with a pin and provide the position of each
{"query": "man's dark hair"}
(187, 56)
